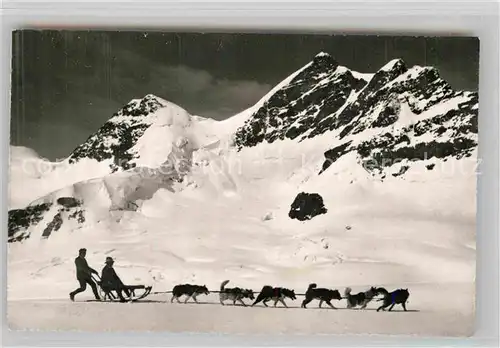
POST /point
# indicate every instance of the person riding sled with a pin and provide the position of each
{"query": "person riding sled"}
(84, 275)
(110, 280)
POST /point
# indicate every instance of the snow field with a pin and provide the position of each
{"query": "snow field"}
(430, 313)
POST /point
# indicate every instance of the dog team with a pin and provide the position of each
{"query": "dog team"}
(268, 293)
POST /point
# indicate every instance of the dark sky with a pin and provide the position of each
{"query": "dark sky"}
(66, 84)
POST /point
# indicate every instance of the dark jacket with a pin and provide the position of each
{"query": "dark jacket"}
(83, 271)
(110, 279)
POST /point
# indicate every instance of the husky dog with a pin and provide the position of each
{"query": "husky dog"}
(321, 294)
(399, 296)
(360, 299)
(277, 294)
(235, 294)
(189, 290)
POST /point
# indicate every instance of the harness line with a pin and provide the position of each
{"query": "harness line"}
(217, 292)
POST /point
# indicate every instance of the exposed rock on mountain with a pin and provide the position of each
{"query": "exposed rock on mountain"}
(306, 206)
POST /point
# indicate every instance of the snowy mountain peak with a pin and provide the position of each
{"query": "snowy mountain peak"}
(322, 54)
(360, 112)
(141, 107)
(324, 60)
(316, 91)
(394, 64)
(146, 146)
(120, 142)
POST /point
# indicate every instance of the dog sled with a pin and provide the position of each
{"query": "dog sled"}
(132, 292)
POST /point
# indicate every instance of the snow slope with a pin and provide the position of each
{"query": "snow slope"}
(200, 201)
(29, 171)
(453, 319)
(203, 235)
(146, 132)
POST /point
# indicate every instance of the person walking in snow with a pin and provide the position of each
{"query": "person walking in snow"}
(110, 280)
(84, 275)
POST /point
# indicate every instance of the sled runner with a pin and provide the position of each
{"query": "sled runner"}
(107, 294)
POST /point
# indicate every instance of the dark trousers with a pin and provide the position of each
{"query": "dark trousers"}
(83, 285)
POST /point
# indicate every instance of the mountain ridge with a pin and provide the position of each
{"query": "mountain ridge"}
(395, 101)
(385, 121)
